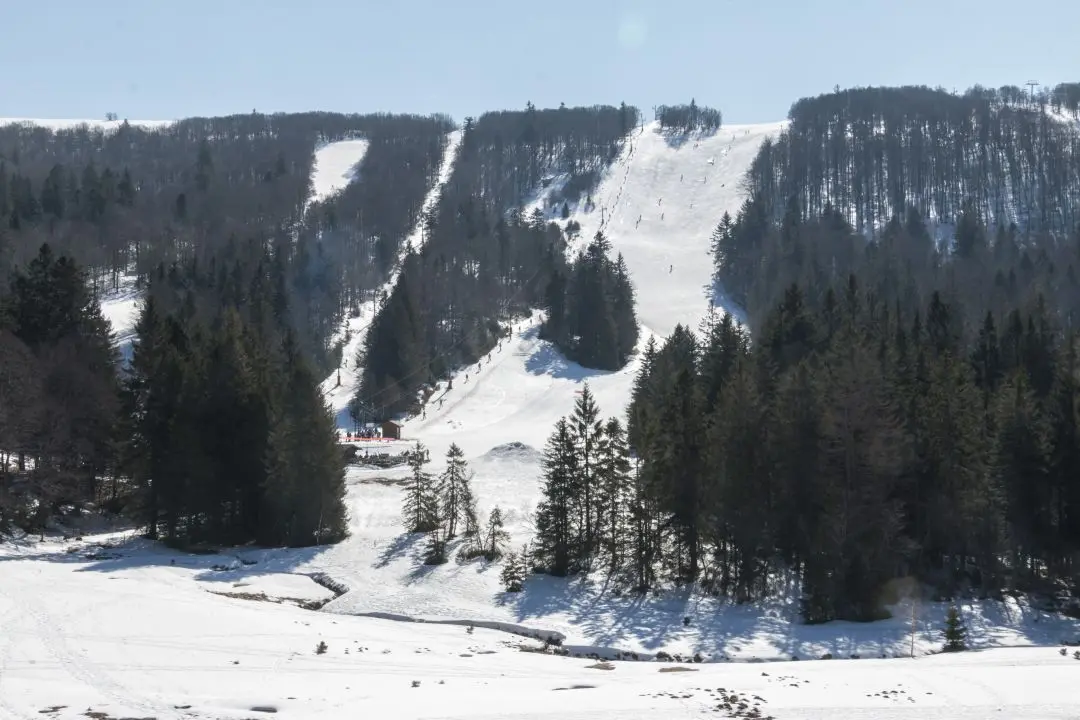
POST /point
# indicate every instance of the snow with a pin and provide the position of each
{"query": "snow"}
(138, 636)
(121, 308)
(107, 125)
(336, 166)
(117, 625)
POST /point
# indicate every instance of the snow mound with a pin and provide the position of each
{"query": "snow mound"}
(517, 451)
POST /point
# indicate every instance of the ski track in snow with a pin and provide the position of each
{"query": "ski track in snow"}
(150, 633)
(340, 387)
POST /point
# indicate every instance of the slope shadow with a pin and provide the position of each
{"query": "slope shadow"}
(715, 293)
(677, 138)
(546, 359)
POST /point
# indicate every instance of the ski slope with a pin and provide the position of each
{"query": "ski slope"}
(659, 205)
(679, 188)
(336, 165)
(339, 388)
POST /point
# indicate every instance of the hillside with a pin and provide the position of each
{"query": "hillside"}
(898, 439)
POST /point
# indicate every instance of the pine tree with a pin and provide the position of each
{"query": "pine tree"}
(420, 510)
(514, 572)
(495, 537)
(614, 494)
(437, 536)
(587, 429)
(557, 526)
(455, 494)
(955, 632)
(306, 471)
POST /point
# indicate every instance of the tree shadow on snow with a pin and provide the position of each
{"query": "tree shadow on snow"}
(401, 546)
(770, 629)
(547, 360)
(677, 138)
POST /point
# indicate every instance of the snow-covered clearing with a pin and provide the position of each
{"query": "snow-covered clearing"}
(121, 308)
(336, 166)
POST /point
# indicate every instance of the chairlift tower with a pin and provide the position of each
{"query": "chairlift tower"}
(1032, 84)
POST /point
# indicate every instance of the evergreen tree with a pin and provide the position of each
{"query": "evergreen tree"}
(455, 494)
(587, 429)
(955, 632)
(420, 511)
(557, 519)
(495, 537)
(614, 494)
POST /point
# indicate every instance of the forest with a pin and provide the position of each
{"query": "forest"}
(122, 202)
(898, 410)
(871, 153)
(215, 429)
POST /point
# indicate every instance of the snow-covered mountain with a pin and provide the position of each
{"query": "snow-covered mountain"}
(135, 629)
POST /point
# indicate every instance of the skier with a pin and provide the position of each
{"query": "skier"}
(670, 269)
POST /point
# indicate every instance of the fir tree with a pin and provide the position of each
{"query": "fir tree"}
(495, 537)
(557, 549)
(955, 632)
(420, 510)
(455, 494)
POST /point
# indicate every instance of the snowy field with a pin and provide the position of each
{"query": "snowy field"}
(115, 627)
(139, 637)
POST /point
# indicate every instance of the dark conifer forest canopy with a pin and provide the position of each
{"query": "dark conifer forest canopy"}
(902, 404)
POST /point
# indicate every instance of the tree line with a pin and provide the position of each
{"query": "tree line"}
(689, 118)
(872, 152)
(857, 443)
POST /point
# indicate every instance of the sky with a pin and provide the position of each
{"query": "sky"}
(162, 60)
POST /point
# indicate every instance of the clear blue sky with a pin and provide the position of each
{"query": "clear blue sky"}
(163, 59)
